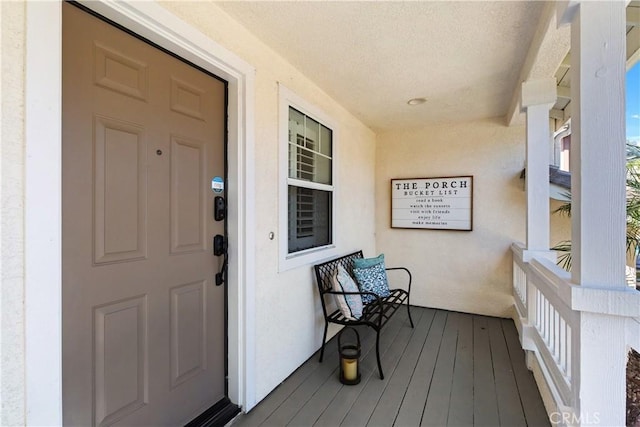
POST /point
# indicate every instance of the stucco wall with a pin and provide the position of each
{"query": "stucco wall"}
(560, 224)
(457, 270)
(12, 216)
(287, 306)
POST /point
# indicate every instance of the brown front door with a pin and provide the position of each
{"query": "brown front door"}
(143, 321)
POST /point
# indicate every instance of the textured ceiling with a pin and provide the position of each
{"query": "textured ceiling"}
(372, 57)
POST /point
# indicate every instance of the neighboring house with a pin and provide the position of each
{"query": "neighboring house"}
(89, 336)
(560, 183)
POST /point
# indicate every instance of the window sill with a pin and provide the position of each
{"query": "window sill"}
(306, 257)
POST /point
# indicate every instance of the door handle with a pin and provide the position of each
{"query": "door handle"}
(220, 248)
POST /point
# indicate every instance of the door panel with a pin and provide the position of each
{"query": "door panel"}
(143, 322)
(121, 362)
(120, 181)
(188, 210)
(115, 71)
(188, 332)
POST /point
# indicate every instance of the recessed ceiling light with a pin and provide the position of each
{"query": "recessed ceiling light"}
(417, 101)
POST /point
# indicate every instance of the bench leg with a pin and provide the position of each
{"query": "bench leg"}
(324, 338)
(378, 354)
(409, 312)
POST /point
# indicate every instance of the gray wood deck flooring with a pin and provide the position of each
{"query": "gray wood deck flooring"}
(452, 369)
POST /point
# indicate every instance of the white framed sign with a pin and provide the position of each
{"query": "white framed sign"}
(444, 203)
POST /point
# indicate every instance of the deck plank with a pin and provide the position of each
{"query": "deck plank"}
(412, 407)
(485, 403)
(460, 407)
(509, 407)
(393, 395)
(436, 410)
(414, 411)
(534, 411)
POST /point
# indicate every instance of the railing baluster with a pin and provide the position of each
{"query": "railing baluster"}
(556, 334)
(563, 345)
(569, 373)
(546, 319)
(539, 310)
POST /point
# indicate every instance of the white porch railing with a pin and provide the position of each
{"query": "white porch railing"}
(547, 324)
(551, 311)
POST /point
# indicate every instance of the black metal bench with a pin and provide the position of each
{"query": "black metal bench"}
(376, 314)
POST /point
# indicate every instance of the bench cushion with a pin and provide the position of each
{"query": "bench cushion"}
(368, 262)
(372, 279)
(350, 305)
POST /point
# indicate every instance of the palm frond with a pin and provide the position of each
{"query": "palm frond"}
(565, 208)
(564, 254)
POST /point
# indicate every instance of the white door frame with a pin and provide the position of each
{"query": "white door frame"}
(43, 193)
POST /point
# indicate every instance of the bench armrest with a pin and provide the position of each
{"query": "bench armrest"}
(408, 273)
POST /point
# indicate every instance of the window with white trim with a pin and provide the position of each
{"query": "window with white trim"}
(307, 215)
(309, 183)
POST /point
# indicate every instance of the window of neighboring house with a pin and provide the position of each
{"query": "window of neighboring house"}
(562, 146)
(565, 153)
(307, 209)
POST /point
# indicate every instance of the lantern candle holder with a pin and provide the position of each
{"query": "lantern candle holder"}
(349, 357)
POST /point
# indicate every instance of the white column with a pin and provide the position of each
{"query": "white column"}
(598, 143)
(538, 96)
(598, 204)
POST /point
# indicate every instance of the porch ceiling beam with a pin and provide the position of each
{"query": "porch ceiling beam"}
(633, 46)
(633, 15)
(548, 48)
(567, 111)
(556, 114)
(564, 92)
